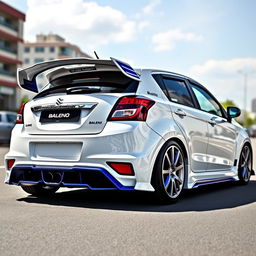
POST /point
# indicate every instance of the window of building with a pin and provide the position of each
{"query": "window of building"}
(39, 49)
(177, 92)
(65, 51)
(26, 49)
(26, 60)
(37, 60)
(52, 49)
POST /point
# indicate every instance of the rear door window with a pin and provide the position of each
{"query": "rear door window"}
(177, 91)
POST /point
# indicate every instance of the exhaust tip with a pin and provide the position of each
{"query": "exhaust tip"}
(52, 177)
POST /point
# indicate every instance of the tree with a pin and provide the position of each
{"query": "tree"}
(228, 103)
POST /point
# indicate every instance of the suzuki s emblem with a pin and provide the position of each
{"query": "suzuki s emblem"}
(59, 101)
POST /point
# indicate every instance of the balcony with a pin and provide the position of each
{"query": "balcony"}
(8, 25)
(8, 28)
(7, 49)
(6, 75)
(8, 52)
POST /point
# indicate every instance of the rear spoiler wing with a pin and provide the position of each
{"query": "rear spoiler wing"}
(27, 77)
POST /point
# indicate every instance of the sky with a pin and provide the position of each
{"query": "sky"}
(212, 41)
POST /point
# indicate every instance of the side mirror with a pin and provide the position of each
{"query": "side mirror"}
(233, 112)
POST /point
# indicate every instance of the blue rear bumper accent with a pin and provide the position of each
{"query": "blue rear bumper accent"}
(93, 178)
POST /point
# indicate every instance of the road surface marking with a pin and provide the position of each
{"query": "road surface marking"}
(2, 167)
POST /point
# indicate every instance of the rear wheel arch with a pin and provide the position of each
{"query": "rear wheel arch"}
(183, 147)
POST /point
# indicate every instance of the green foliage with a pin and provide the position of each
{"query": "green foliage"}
(248, 120)
(228, 103)
(25, 99)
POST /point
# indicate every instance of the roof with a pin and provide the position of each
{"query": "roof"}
(154, 70)
(59, 44)
(12, 11)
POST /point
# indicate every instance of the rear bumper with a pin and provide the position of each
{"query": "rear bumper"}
(77, 176)
(131, 142)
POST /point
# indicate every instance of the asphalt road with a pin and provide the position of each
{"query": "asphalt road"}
(214, 220)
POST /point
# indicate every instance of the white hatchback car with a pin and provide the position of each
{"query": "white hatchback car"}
(102, 125)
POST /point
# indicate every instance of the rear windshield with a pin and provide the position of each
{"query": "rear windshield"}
(94, 82)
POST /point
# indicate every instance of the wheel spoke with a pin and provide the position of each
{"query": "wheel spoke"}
(178, 178)
(168, 159)
(172, 155)
(171, 191)
(247, 155)
(178, 168)
(166, 172)
(243, 155)
(167, 182)
(177, 158)
(174, 187)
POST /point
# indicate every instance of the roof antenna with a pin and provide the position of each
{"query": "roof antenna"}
(96, 54)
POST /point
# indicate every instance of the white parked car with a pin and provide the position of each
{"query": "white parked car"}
(102, 125)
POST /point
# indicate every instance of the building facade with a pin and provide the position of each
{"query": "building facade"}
(46, 48)
(49, 47)
(11, 40)
(254, 105)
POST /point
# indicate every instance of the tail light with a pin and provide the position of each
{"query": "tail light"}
(10, 163)
(20, 117)
(132, 108)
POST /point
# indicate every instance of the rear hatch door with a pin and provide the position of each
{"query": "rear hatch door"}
(77, 98)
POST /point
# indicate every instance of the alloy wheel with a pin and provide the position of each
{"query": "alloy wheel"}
(173, 171)
(245, 164)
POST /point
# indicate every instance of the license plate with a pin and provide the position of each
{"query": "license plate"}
(60, 116)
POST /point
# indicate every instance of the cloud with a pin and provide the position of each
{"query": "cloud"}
(167, 40)
(85, 23)
(149, 9)
(225, 79)
(225, 67)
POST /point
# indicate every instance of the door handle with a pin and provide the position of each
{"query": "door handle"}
(212, 121)
(215, 120)
(180, 112)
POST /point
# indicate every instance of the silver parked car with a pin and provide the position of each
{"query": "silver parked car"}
(103, 125)
(7, 122)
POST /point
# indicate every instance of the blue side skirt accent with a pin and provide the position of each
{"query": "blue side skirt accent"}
(93, 178)
(212, 181)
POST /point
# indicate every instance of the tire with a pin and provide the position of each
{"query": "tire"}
(245, 165)
(169, 173)
(39, 190)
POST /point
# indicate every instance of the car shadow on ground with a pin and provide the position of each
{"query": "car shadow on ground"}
(213, 197)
